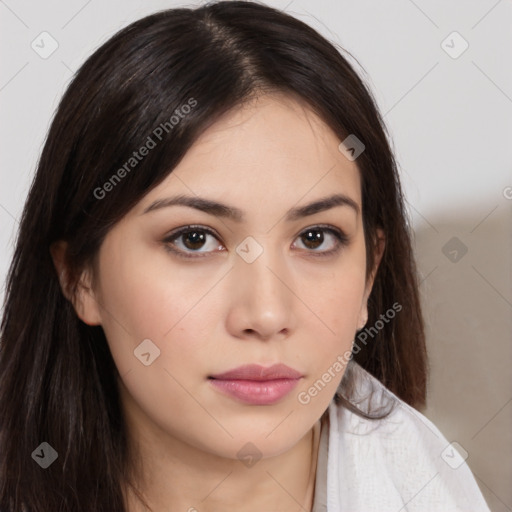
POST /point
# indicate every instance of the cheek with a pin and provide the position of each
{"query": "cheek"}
(336, 295)
(337, 304)
(145, 304)
(158, 303)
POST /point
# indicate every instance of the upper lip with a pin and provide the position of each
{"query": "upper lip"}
(259, 373)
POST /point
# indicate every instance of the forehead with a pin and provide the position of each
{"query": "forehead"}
(273, 148)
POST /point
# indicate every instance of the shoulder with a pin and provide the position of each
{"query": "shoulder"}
(400, 462)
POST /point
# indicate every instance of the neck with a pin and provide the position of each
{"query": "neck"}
(181, 477)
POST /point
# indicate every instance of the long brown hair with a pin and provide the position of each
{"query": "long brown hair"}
(58, 381)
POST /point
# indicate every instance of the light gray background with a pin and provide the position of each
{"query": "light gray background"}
(451, 125)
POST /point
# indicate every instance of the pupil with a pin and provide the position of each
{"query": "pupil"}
(195, 238)
(314, 238)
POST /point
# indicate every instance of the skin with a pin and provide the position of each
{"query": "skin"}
(213, 313)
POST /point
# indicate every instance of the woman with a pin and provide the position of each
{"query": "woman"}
(215, 215)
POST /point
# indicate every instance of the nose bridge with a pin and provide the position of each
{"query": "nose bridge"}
(260, 264)
(263, 298)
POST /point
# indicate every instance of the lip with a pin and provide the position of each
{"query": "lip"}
(257, 385)
(257, 372)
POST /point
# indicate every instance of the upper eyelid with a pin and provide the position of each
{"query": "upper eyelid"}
(183, 229)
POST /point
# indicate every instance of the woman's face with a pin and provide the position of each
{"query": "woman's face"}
(274, 286)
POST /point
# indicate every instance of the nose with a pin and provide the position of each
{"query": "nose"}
(262, 303)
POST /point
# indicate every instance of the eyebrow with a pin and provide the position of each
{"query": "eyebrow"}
(230, 212)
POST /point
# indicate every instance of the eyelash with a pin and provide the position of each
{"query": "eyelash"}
(341, 240)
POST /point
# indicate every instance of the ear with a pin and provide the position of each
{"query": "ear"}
(380, 244)
(84, 301)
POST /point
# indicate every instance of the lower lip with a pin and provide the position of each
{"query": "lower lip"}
(256, 392)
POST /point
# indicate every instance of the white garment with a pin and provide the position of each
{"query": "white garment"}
(399, 464)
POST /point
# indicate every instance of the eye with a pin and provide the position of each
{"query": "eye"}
(314, 237)
(187, 241)
(190, 238)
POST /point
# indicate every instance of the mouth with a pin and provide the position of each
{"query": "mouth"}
(255, 384)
